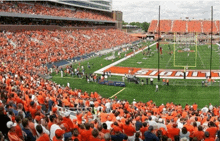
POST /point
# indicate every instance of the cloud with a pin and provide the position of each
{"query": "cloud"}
(142, 10)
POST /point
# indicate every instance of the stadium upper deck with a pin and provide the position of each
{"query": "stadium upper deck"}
(54, 9)
(184, 26)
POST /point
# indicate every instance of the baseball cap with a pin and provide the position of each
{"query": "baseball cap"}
(11, 124)
(59, 132)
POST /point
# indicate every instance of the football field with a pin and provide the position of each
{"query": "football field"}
(179, 91)
(169, 59)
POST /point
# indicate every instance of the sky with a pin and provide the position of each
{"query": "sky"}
(147, 10)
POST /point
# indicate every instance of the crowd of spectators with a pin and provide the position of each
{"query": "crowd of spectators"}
(28, 103)
(50, 10)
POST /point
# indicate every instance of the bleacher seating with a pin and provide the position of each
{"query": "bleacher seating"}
(165, 26)
(40, 9)
(207, 27)
(179, 26)
(194, 26)
(218, 26)
(184, 26)
(153, 26)
(34, 102)
(52, 46)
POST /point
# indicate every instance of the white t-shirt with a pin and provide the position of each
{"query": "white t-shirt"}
(204, 109)
(108, 105)
(109, 123)
(53, 128)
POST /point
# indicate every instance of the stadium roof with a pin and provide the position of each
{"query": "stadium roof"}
(8, 14)
(101, 5)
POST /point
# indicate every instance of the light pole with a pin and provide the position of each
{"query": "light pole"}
(211, 41)
(159, 47)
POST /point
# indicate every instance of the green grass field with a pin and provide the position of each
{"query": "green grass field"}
(179, 91)
(201, 62)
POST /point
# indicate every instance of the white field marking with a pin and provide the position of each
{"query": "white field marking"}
(117, 93)
(100, 71)
(169, 61)
(201, 59)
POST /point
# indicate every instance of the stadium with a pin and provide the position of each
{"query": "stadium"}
(70, 72)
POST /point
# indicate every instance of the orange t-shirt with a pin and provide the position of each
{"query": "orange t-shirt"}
(13, 136)
(18, 131)
(129, 130)
(212, 131)
(43, 137)
(173, 132)
(199, 135)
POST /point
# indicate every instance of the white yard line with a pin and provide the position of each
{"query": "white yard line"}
(169, 61)
(117, 93)
(201, 59)
(100, 71)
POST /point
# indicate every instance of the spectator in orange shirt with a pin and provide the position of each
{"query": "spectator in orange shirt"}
(18, 127)
(129, 130)
(67, 120)
(95, 136)
(173, 132)
(42, 136)
(86, 133)
(76, 135)
(207, 137)
(58, 135)
(12, 134)
(199, 134)
(212, 129)
(143, 129)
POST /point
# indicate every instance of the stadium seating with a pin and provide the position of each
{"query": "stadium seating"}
(207, 27)
(39, 9)
(194, 26)
(51, 46)
(23, 93)
(218, 26)
(182, 26)
(153, 26)
(179, 26)
(165, 26)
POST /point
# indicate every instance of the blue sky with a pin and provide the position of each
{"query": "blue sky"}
(147, 10)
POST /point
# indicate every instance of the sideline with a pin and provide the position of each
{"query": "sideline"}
(66, 77)
(117, 93)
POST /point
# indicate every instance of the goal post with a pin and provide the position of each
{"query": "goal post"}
(182, 46)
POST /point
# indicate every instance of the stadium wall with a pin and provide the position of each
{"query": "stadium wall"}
(48, 27)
